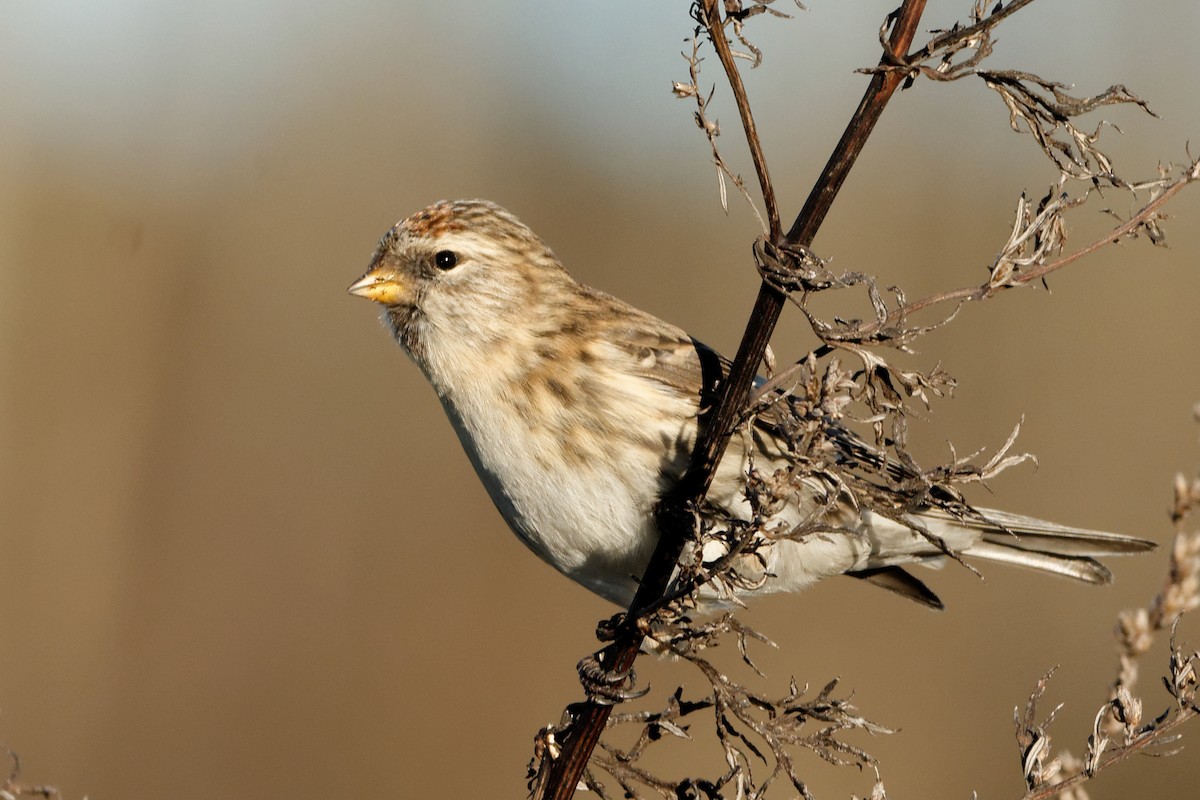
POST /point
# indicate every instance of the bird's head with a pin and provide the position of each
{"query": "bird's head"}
(466, 270)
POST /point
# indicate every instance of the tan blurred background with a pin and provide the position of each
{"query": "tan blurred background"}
(243, 555)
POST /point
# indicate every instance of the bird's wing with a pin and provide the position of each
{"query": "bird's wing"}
(681, 364)
(667, 356)
(687, 368)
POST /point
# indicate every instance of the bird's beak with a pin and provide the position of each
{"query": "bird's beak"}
(384, 286)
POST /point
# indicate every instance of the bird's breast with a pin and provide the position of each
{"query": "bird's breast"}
(575, 470)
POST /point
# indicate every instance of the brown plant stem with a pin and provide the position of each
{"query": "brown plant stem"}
(716, 32)
(674, 515)
(970, 293)
(956, 35)
(1047, 791)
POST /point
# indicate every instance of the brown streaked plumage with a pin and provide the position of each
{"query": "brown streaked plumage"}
(578, 410)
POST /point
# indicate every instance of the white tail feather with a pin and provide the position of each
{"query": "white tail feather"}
(1079, 567)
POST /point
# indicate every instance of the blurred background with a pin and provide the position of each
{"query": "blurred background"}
(243, 554)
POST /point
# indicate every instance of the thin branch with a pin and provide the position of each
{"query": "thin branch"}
(712, 130)
(716, 29)
(1120, 719)
(1144, 216)
(959, 36)
(12, 787)
(1158, 735)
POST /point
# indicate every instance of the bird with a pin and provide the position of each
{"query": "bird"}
(579, 411)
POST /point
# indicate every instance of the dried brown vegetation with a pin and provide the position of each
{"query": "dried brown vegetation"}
(13, 787)
(816, 403)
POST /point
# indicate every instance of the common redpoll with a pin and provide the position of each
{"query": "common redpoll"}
(578, 411)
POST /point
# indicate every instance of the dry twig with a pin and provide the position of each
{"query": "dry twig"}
(1121, 728)
(13, 788)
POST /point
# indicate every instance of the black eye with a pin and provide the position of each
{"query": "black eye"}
(445, 259)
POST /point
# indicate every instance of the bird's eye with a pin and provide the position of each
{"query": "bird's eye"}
(445, 259)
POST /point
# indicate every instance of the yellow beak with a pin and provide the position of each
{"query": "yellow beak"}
(383, 286)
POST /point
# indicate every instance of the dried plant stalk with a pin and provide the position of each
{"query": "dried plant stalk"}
(1121, 727)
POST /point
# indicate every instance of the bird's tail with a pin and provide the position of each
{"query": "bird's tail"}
(1041, 545)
